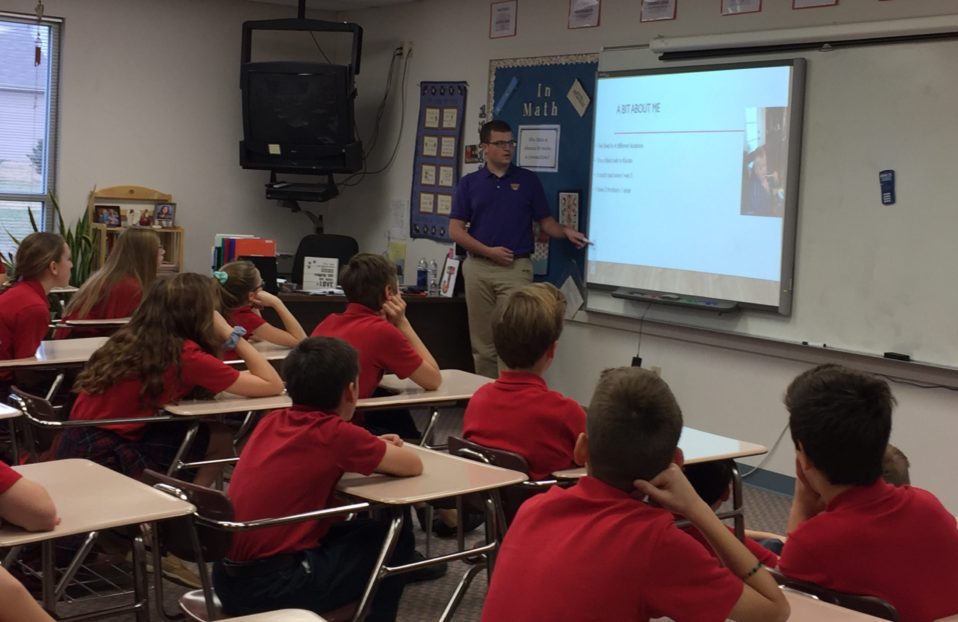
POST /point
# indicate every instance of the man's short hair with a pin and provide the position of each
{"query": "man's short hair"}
(496, 125)
(841, 418)
(319, 370)
(710, 479)
(633, 425)
(365, 278)
(894, 466)
(526, 323)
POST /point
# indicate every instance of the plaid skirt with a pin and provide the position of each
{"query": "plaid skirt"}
(155, 450)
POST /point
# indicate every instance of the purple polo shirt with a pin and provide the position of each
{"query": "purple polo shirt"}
(500, 210)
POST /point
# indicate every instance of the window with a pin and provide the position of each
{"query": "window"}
(28, 122)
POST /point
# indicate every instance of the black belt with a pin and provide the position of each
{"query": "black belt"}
(260, 567)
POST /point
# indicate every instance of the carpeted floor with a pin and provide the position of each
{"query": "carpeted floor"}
(767, 511)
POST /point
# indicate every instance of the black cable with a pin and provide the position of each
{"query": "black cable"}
(402, 118)
(318, 47)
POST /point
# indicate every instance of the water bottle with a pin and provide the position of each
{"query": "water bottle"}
(433, 280)
(422, 274)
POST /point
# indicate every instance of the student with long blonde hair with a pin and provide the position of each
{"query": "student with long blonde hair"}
(241, 298)
(115, 290)
(42, 262)
(170, 347)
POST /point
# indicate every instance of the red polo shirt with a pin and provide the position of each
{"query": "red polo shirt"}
(291, 465)
(592, 552)
(519, 413)
(767, 557)
(122, 400)
(248, 319)
(380, 345)
(8, 477)
(24, 321)
(897, 543)
(120, 301)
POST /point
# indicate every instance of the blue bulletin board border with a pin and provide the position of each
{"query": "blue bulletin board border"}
(534, 92)
(436, 165)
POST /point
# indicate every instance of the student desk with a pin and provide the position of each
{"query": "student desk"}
(8, 412)
(440, 322)
(68, 352)
(699, 446)
(806, 608)
(92, 498)
(114, 322)
(442, 476)
(457, 386)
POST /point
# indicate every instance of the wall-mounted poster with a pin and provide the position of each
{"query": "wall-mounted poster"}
(502, 19)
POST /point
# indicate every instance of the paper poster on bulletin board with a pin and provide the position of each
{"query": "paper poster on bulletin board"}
(548, 102)
(436, 163)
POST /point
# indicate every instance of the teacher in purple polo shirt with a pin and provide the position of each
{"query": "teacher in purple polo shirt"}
(492, 214)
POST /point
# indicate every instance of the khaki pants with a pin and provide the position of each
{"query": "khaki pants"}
(486, 283)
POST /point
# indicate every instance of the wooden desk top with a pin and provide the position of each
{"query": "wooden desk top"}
(443, 475)
(281, 615)
(698, 446)
(806, 608)
(90, 497)
(457, 386)
(8, 412)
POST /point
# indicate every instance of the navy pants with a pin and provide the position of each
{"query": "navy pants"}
(324, 578)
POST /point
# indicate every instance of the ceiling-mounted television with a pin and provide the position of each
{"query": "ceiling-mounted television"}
(694, 184)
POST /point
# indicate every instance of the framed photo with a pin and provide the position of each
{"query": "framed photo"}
(108, 215)
(812, 4)
(657, 10)
(472, 154)
(447, 283)
(740, 7)
(164, 214)
(569, 201)
(502, 19)
(584, 13)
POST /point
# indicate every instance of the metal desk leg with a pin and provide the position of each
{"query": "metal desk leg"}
(140, 588)
(430, 429)
(389, 545)
(738, 502)
(177, 463)
(48, 568)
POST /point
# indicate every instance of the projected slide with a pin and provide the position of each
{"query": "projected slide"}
(689, 180)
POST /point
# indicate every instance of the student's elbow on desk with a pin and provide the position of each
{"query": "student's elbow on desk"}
(250, 385)
(427, 376)
(399, 462)
(28, 505)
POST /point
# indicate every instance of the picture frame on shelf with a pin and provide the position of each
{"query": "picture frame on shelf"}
(164, 214)
(108, 215)
(447, 283)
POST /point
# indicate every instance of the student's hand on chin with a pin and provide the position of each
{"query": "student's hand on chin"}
(671, 490)
(394, 309)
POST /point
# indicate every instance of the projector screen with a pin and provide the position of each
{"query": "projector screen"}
(694, 184)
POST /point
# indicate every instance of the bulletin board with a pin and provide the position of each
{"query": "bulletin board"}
(436, 162)
(548, 102)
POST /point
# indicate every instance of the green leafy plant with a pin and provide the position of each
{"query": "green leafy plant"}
(79, 238)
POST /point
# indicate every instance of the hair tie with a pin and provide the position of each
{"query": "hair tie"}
(221, 276)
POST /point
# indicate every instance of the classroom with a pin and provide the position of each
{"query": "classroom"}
(149, 95)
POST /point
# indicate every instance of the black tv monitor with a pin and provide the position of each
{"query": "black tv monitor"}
(298, 118)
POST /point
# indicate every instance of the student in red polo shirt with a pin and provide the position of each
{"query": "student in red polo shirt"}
(518, 412)
(375, 323)
(169, 348)
(596, 551)
(28, 505)
(42, 262)
(115, 290)
(849, 530)
(241, 298)
(291, 465)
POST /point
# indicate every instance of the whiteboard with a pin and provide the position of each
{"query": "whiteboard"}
(869, 278)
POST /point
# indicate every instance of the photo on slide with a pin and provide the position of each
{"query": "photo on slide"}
(763, 163)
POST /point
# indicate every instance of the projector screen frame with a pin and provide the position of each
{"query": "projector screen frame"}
(796, 98)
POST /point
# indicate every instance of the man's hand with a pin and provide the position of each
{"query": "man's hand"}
(394, 309)
(501, 255)
(577, 238)
(392, 439)
(671, 490)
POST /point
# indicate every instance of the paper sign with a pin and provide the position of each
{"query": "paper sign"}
(320, 272)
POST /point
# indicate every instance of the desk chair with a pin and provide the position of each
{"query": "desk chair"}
(871, 605)
(205, 537)
(342, 247)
